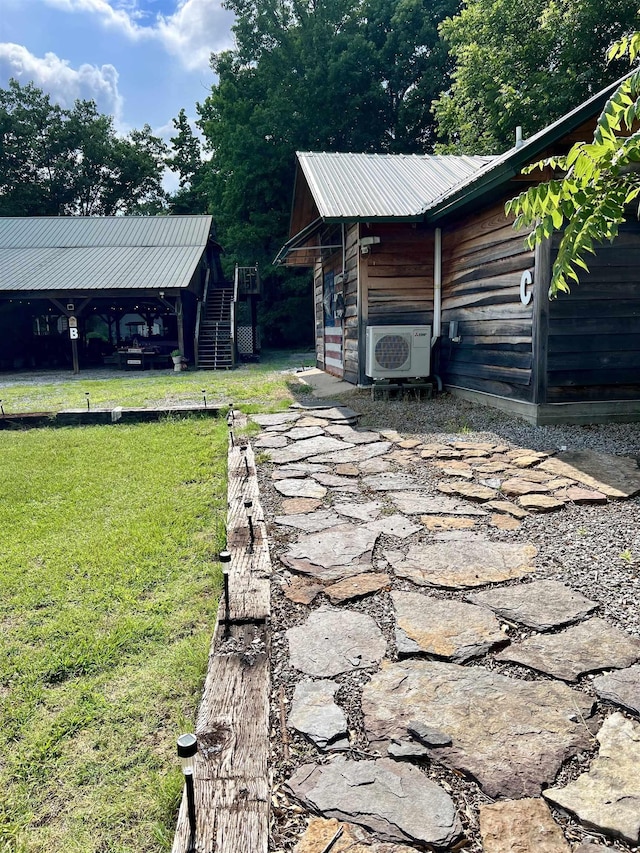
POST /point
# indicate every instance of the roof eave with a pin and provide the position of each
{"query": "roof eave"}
(512, 162)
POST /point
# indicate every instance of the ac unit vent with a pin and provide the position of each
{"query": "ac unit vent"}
(392, 352)
(398, 351)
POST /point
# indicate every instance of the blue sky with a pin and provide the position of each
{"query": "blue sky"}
(140, 60)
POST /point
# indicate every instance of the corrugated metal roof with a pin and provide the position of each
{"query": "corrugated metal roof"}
(65, 231)
(87, 253)
(378, 186)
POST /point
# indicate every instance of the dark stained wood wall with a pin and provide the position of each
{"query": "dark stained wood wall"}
(594, 332)
(483, 259)
(350, 323)
(399, 274)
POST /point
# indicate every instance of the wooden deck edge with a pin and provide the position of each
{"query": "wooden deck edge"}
(232, 780)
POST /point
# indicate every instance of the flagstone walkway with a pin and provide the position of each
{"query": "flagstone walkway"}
(476, 664)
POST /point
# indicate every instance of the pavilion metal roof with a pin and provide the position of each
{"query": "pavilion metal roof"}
(382, 186)
(100, 253)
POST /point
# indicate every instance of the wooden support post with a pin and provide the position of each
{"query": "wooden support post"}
(180, 318)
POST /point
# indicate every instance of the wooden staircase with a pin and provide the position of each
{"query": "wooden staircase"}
(215, 345)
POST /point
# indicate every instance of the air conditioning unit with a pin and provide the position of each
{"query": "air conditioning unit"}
(398, 351)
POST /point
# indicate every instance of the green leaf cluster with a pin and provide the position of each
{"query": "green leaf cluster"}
(56, 161)
(597, 182)
(526, 63)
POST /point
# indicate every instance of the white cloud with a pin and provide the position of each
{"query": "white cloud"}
(195, 30)
(62, 82)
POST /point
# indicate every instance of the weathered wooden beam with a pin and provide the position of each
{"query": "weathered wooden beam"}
(231, 777)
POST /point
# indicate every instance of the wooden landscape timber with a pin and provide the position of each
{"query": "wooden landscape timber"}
(231, 778)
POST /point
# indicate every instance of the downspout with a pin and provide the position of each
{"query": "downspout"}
(437, 294)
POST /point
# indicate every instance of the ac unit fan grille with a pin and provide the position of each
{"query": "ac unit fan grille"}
(392, 352)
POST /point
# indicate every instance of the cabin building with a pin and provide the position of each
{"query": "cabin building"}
(121, 290)
(416, 240)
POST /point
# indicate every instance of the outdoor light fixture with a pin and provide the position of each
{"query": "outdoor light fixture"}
(230, 425)
(204, 397)
(225, 559)
(230, 415)
(243, 451)
(187, 749)
(86, 394)
(248, 505)
(1, 408)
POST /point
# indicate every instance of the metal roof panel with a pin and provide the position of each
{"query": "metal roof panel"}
(87, 231)
(98, 268)
(361, 186)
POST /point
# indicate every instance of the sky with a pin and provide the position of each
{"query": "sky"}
(139, 60)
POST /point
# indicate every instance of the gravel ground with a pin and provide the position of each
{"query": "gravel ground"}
(594, 549)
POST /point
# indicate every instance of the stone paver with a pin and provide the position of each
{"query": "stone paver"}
(448, 565)
(443, 628)
(334, 553)
(294, 506)
(580, 496)
(357, 453)
(375, 465)
(323, 835)
(417, 503)
(367, 511)
(471, 491)
(310, 522)
(354, 436)
(447, 522)
(333, 641)
(517, 487)
(615, 476)
(307, 448)
(608, 796)
(588, 647)
(270, 441)
(302, 590)
(542, 605)
(300, 488)
(394, 525)
(333, 481)
(393, 799)
(348, 470)
(507, 508)
(505, 522)
(315, 714)
(541, 503)
(510, 735)
(275, 420)
(299, 433)
(391, 481)
(525, 826)
(621, 687)
(357, 586)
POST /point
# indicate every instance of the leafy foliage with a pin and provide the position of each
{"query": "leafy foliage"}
(57, 162)
(525, 62)
(600, 179)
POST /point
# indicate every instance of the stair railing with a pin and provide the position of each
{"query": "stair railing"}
(205, 296)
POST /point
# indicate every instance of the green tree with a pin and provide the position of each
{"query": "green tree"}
(186, 159)
(524, 62)
(58, 162)
(332, 75)
(599, 180)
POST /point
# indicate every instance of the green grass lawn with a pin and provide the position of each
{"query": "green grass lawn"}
(252, 387)
(109, 583)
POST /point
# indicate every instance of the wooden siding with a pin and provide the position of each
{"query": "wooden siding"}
(483, 259)
(318, 314)
(351, 322)
(594, 332)
(399, 274)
